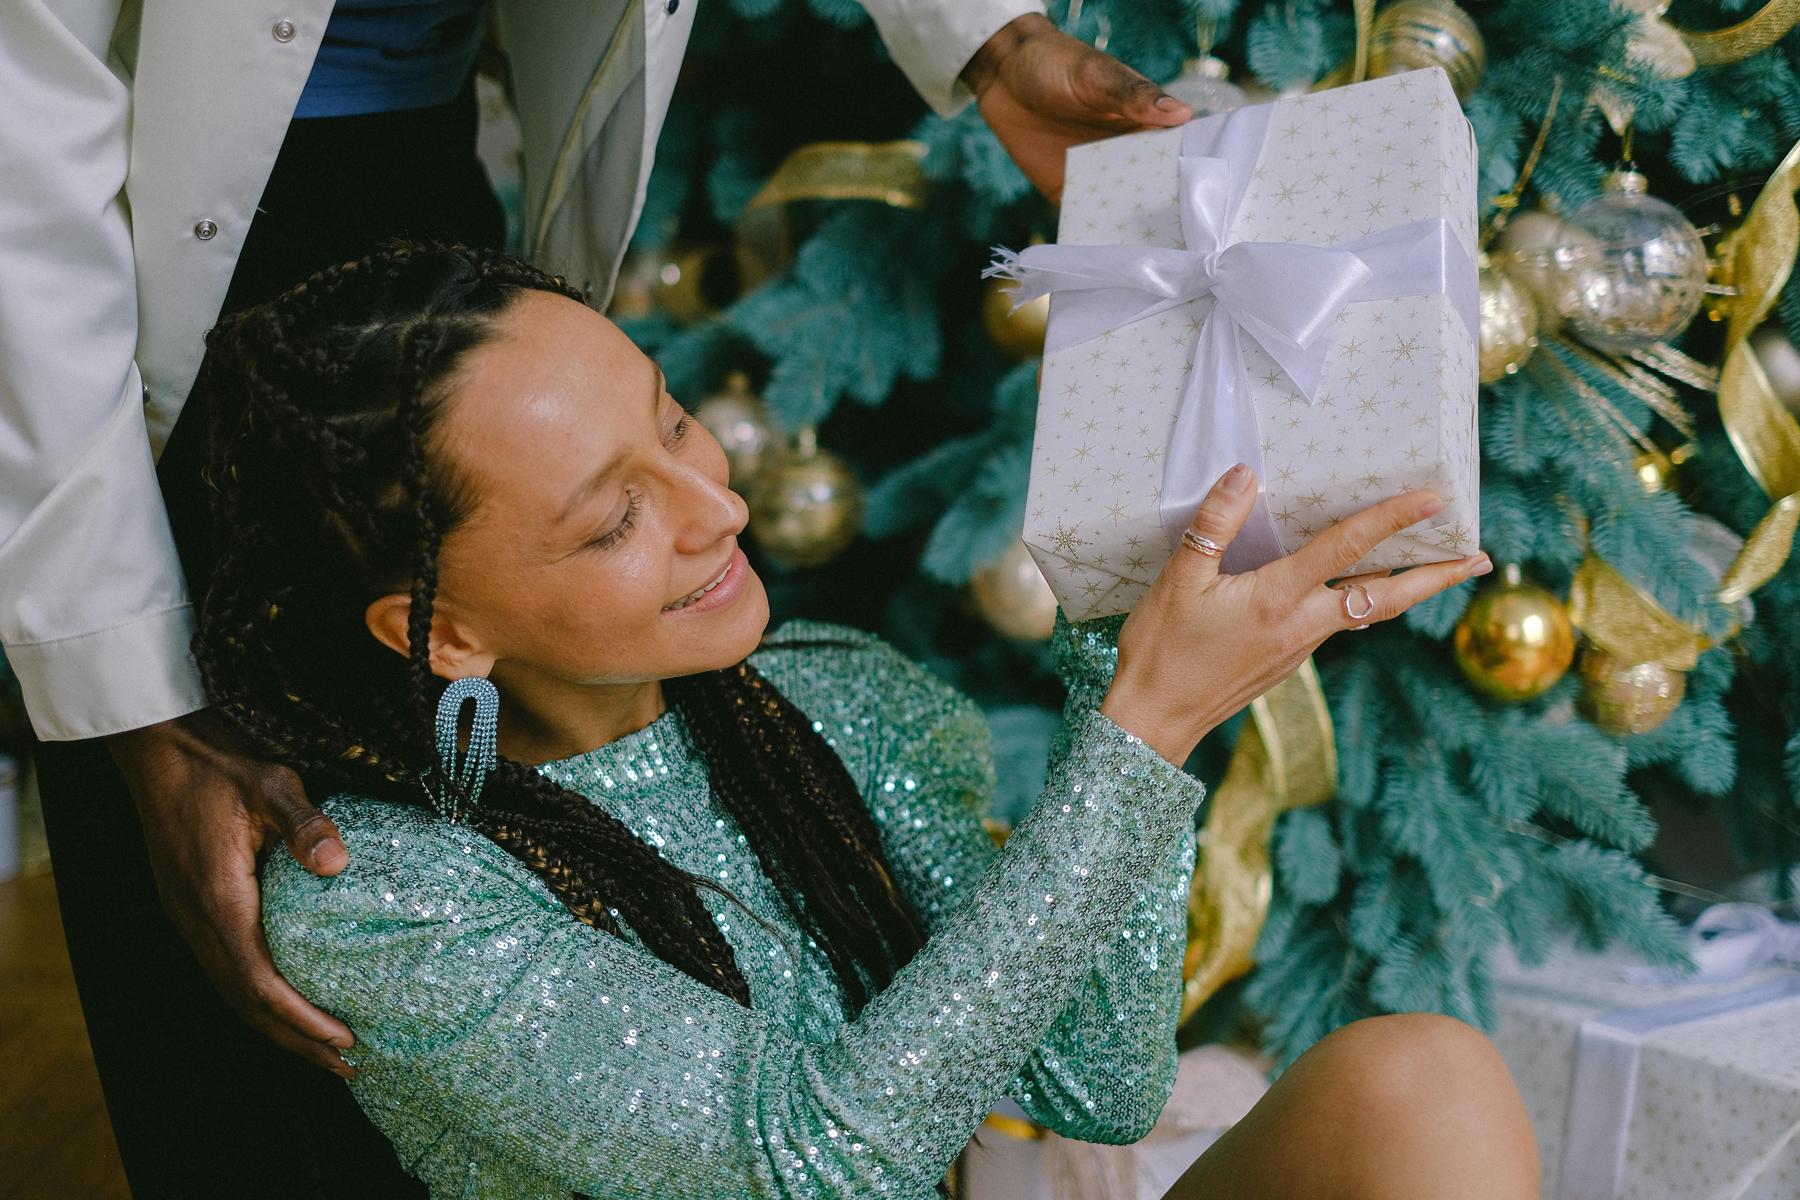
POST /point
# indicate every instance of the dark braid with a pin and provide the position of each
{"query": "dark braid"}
(326, 495)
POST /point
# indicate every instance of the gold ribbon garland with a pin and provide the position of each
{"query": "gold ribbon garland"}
(1354, 69)
(1286, 757)
(1753, 35)
(1764, 434)
(881, 172)
(1627, 622)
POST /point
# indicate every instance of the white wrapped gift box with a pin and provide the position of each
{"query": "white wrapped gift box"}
(1656, 1090)
(1290, 285)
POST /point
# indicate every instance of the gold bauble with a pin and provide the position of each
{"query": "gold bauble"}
(1011, 595)
(1509, 324)
(736, 418)
(1411, 34)
(1019, 334)
(1623, 697)
(806, 506)
(1515, 641)
(695, 281)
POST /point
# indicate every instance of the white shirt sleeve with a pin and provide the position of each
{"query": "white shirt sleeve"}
(94, 616)
(933, 40)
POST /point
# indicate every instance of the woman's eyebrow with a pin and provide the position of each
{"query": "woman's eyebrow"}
(598, 479)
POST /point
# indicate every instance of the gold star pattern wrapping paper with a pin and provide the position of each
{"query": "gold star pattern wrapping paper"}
(1395, 410)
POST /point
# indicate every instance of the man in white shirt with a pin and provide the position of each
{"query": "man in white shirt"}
(168, 163)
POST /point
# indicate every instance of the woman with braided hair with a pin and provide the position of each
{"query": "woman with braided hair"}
(721, 920)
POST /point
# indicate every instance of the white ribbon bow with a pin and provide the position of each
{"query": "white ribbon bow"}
(1728, 941)
(1282, 295)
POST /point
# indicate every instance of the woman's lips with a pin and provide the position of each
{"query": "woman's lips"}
(729, 589)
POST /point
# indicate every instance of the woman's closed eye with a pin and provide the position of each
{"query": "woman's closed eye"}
(617, 533)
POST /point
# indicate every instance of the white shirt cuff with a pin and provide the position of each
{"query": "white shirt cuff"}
(111, 680)
(933, 41)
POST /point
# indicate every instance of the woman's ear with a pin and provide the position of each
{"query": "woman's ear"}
(454, 653)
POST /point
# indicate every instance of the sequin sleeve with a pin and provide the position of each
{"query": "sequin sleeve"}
(1105, 1068)
(508, 1050)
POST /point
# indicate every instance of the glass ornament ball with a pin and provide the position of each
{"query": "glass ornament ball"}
(736, 418)
(1624, 697)
(1515, 641)
(806, 506)
(1640, 280)
(1411, 34)
(1011, 595)
(1202, 86)
(1509, 324)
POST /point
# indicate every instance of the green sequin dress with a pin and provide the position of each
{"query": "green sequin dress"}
(509, 1051)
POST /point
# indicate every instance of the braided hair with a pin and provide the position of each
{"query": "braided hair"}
(325, 496)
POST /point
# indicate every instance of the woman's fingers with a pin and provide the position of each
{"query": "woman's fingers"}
(1336, 550)
(1218, 519)
(1387, 595)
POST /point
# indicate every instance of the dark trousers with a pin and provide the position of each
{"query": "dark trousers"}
(201, 1105)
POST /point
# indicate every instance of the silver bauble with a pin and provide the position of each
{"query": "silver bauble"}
(736, 417)
(1202, 86)
(1528, 249)
(1642, 279)
(1780, 362)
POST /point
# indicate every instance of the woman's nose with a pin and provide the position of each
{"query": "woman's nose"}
(712, 511)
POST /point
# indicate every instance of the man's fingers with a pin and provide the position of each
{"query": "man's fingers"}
(275, 1000)
(1337, 549)
(311, 836)
(1116, 93)
(227, 935)
(319, 1054)
(1218, 519)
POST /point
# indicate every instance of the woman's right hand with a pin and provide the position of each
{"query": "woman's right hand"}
(1200, 644)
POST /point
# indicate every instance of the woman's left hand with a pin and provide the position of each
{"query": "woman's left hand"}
(1042, 91)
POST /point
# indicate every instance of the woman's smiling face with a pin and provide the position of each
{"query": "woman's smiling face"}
(596, 507)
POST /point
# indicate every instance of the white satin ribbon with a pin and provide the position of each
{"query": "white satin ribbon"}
(1282, 295)
(1728, 941)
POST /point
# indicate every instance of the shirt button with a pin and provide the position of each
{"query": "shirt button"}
(671, 6)
(205, 230)
(283, 31)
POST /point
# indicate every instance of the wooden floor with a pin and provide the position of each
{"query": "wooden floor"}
(55, 1142)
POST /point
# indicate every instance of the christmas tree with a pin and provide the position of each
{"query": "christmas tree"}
(1489, 788)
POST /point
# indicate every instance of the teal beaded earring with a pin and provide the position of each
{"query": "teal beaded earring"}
(464, 785)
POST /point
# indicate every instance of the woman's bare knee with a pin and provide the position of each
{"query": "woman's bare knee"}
(1429, 1107)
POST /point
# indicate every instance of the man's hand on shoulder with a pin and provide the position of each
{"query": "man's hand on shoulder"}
(210, 810)
(1042, 91)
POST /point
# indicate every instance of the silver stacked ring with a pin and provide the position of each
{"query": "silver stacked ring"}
(1204, 545)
